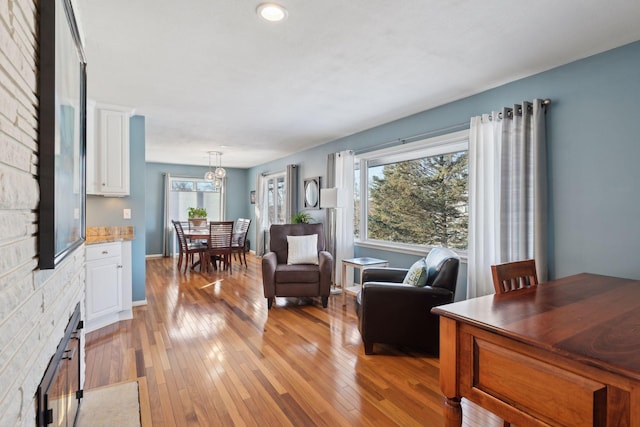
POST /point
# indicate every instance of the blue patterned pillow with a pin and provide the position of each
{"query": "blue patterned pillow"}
(417, 274)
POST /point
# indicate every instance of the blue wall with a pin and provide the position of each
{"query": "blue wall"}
(593, 147)
(237, 197)
(107, 211)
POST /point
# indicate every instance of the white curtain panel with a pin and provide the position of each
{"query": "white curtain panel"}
(344, 213)
(484, 161)
(507, 192)
(261, 211)
(167, 228)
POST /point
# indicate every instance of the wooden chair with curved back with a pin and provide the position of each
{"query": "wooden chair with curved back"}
(219, 244)
(511, 276)
(187, 249)
(239, 242)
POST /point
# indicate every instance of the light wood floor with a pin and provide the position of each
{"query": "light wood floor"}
(206, 352)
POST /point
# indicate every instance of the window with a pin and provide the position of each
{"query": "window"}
(276, 198)
(414, 195)
(195, 192)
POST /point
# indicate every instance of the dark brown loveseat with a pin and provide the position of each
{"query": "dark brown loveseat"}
(297, 280)
(391, 312)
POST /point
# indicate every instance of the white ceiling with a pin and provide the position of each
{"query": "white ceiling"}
(211, 75)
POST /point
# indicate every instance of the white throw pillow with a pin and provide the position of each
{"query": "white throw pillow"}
(417, 274)
(303, 249)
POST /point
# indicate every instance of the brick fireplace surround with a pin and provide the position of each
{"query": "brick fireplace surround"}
(35, 305)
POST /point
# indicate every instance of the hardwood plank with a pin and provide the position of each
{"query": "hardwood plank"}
(145, 409)
(206, 351)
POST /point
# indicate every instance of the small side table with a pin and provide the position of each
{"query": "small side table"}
(361, 264)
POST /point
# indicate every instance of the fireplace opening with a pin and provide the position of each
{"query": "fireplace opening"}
(59, 393)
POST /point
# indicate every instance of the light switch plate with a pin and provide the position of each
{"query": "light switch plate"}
(126, 213)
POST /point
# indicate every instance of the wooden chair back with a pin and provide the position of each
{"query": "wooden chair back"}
(240, 231)
(511, 276)
(220, 234)
(182, 240)
(219, 243)
(186, 250)
(239, 245)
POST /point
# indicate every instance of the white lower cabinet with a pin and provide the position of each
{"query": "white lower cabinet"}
(108, 279)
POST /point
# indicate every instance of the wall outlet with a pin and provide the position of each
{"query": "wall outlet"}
(126, 213)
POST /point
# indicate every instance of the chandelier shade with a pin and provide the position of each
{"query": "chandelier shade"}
(209, 175)
(219, 173)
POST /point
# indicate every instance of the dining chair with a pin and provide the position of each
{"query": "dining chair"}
(511, 276)
(239, 241)
(186, 249)
(219, 244)
(515, 275)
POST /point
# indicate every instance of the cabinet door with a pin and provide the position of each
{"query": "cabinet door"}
(104, 287)
(113, 151)
(93, 175)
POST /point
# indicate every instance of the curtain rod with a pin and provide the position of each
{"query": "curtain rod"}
(412, 138)
(509, 111)
(182, 176)
(435, 132)
(295, 165)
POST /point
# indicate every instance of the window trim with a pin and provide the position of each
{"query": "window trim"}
(195, 180)
(441, 144)
(275, 177)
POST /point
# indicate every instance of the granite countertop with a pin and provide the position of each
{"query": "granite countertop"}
(97, 235)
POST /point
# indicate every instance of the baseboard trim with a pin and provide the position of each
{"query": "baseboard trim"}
(107, 319)
(139, 302)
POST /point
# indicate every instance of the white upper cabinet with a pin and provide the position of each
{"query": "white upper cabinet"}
(108, 150)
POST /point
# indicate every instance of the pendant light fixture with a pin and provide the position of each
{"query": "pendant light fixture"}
(219, 172)
(209, 175)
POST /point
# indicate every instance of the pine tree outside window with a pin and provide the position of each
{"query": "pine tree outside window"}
(416, 195)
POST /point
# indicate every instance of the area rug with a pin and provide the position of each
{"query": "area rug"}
(116, 405)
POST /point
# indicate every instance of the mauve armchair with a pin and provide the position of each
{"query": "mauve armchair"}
(295, 280)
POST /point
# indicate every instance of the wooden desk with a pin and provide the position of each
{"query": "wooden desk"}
(564, 353)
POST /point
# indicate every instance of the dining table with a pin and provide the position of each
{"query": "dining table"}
(197, 234)
(566, 352)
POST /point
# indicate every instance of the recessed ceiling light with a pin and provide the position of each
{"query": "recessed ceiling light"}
(272, 12)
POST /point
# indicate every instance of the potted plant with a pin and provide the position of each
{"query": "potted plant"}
(301, 218)
(197, 216)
